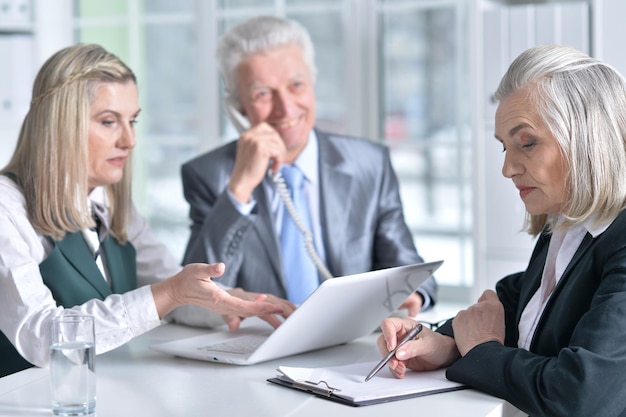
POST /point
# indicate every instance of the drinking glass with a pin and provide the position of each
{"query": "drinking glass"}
(72, 365)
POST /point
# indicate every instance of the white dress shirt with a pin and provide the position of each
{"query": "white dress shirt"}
(27, 304)
(561, 258)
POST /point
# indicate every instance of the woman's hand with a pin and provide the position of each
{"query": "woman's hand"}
(193, 285)
(427, 352)
(480, 323)
(234, 321)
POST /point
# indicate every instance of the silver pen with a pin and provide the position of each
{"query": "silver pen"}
(414, 332)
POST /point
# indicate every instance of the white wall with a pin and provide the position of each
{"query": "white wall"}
(609, 32)
(501, 248)
(29, 34)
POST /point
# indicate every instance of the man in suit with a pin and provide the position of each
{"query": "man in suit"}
(350, 191)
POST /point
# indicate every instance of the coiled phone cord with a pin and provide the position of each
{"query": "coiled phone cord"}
(283, 192)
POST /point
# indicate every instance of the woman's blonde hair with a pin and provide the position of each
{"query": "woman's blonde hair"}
(51, 160)
(583, 103)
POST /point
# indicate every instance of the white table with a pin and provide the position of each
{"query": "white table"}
(134, 380)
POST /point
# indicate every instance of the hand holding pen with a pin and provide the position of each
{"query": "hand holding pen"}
(409, 336)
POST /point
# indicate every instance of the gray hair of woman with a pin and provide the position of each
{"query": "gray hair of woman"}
(255, 36)
(583, 103)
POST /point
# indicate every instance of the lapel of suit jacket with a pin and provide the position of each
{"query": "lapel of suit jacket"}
(578, 255)
(334, 189)
(77, 253)
(569, 269)
(533, 273)
(567, 273)
(266, 230)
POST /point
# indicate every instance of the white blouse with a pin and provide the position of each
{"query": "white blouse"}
(560, 257)
(26, 302)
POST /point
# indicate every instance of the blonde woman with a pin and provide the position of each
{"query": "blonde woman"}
(71, 237)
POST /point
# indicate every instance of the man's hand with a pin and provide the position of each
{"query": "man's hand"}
(255, 148)
(413, 304)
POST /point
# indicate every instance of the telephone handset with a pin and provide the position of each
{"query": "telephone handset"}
(241, 123)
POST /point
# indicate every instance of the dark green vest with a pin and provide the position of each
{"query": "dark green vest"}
(71, 274)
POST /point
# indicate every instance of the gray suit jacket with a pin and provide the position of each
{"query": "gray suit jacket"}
(360, 213)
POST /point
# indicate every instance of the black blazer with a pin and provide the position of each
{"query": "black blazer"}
(576, 365)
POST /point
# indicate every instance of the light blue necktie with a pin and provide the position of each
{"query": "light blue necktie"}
(300, 272)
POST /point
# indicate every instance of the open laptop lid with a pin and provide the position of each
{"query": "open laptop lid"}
(338, 311)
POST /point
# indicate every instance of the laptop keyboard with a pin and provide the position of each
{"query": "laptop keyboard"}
(241, 345)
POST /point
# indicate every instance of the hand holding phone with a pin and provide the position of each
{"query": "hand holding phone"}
(258, 148)
(242, 124)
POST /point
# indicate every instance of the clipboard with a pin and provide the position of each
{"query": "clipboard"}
(346, 384)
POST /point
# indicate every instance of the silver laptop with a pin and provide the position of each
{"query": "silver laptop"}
(338, 311)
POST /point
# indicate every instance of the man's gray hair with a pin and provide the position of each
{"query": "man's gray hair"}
(256, 35)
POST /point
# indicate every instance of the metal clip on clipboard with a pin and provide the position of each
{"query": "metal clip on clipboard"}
(315, 387)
